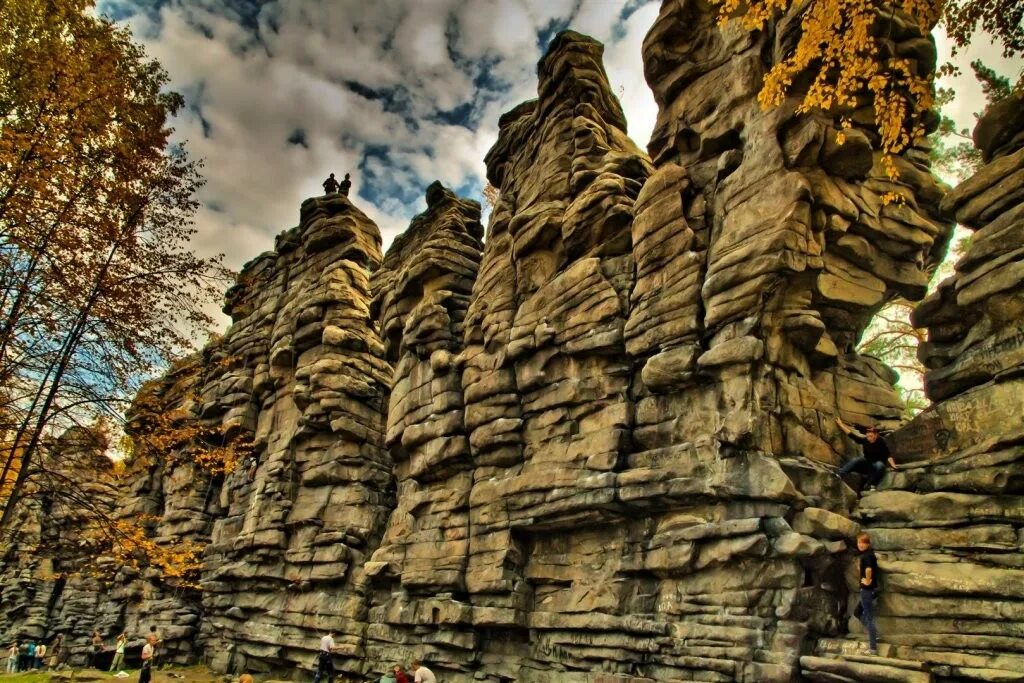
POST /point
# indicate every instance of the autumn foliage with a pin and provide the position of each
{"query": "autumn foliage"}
(129, 544)
(846, 54)
(160, 434)
(99, 286)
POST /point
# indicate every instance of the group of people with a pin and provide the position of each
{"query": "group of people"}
(28, 655)
(325, 667)
(332, 186)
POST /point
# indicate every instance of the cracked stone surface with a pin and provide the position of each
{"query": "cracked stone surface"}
(599, 441)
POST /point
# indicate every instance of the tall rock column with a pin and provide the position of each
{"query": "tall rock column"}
(546, 380)
(302, 369)
(418, 574)
(949, 532)
(762, 247)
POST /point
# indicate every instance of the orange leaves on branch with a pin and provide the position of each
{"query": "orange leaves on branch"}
(854, 54)
(127, 543)
(176, 436)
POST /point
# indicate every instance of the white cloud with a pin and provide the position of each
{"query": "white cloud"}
(253, 83)
(624, 64)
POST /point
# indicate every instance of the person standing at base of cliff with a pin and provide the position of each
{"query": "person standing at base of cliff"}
(22, 656)
(345, 185)
(30, 656)
(146, 674)
(868, 589)
(330, 185)
(324, 660)
(400, 676)
(97, 648)
(876, 455)
(12, 658)
(154, 639)
(40, 655)
(118, 661)
(57, 654)
(421, 673)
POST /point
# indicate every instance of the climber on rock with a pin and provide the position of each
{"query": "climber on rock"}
(325, 660)
(876, 455)
(345, 185)
(331, 185)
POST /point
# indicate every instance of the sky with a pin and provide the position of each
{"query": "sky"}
(279, 93)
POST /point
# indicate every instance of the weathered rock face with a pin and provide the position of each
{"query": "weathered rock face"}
(303, 369)
(47, 587)
(421, 293)
(602, 440)
(949, 528)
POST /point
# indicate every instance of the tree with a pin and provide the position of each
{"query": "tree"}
(953, 154)
(491, 194)
(846, 53)
(98, 284)
(891, 337)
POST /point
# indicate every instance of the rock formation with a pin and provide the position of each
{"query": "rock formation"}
(44, 582)
(601, 442)
(302, 369)
(949, 527)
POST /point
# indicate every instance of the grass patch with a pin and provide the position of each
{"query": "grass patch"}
(170, 674)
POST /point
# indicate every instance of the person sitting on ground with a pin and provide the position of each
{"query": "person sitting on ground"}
(40, 655)
(324, 660)
(876, 455)
(118, 661)
(345, 185)
(330, 185)
(388, 677)
(245, 678)
(400, 676)
(422, 673)
(868, 589)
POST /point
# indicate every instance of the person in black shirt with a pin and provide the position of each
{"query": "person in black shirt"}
(868, 588)
(330, 185)
(876, 455)
(345, 185)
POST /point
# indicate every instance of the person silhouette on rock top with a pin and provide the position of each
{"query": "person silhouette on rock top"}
(331, 185)
(345, 185)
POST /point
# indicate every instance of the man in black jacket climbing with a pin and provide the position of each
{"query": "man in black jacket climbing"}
(876, 455)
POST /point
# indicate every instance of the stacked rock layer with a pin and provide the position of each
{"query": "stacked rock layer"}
(602, 441)
(949, 528)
